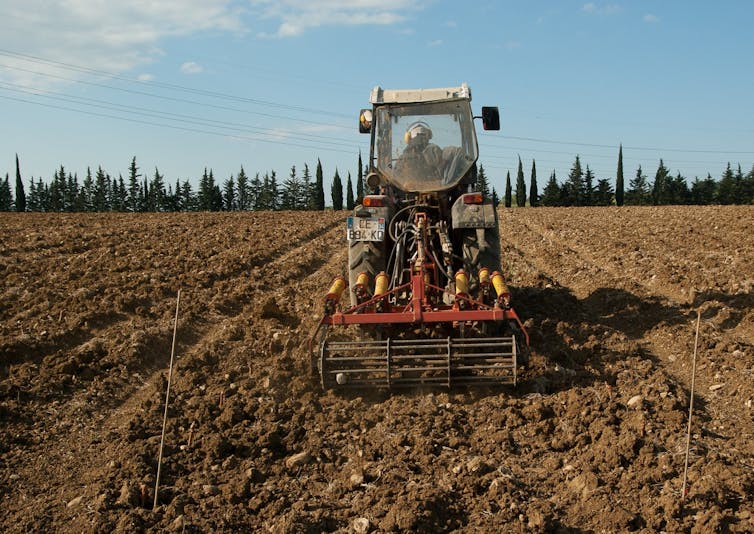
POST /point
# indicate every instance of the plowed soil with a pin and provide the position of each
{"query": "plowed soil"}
(592, 439)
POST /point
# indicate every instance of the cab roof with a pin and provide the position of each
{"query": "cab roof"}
(406, 96)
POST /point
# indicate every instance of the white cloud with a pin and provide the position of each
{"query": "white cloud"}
(145, 77)
(190, 67)
(602, 9)
(294, 17)
(650, 18)
(104, 36)
(436, 42)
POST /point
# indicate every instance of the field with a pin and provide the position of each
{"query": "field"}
(592, 439)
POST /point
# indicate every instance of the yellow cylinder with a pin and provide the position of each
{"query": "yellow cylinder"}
(362, 279)
(380, 284)
(498, 282)
(337, 288)
(462, 282)
(484, 276)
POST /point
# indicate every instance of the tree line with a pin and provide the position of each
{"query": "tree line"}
(583, 188)
(99, 191)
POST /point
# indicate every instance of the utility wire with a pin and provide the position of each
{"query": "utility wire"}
(182, 128)
(167, 98)
(625, 147)
(164, 85)
(236, 98)
(164, 114)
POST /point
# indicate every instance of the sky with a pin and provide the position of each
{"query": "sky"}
(184, 85)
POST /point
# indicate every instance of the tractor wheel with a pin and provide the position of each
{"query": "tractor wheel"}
(364, 256)
(480, 247)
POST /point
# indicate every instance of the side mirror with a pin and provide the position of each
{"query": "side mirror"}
(490, 118)
(365, 121)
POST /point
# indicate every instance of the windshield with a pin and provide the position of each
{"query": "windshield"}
(425, 147)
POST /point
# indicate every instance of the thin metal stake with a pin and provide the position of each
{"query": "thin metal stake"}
(691, 406)
(167, 398)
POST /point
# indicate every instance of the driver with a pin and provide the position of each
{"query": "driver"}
(420, 159)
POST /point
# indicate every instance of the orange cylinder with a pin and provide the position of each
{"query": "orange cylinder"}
(337, 288)
(498, 282)
(381, 284)
(462, 282)
(333, 295)
(484, 276)
(362, 279)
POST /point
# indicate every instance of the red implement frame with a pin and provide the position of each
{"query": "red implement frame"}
(420, 310)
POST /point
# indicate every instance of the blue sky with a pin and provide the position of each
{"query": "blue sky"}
(184, 85)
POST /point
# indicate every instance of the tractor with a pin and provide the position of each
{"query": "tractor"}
(427, 303)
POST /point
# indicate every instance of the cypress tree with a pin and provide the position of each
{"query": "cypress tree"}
(122, 196)
(638, 190)
(551, 194)
(572, 192)
(75, 191)
(229, 194)
(289, 197)
(360, 182)
(133, 186)
(603, 194)
(144, 196)
(508, 195)
(495, 198)
(305, 200)
(274, 192)
(33, 198)
(337, 192)
(157, 193)
(520, 186)
(6, 196)
(533, 189)
(255, 193)
(204, 195)
(99, 193)
(242, 187)
(702, 191)
(87, 193)
(588, 187)
(660, 186)
(187, 200)
(350, 204)
(619, 179)
(319, 188)
(482, 184)
(738, 180)
(748, 186)
(20, 194)
(677, 190)
(71, 190)
(726, 188)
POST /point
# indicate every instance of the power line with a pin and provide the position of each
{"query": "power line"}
(167, 98)
(164, 85)
(182, 128)
(162, 114)
(655, 149)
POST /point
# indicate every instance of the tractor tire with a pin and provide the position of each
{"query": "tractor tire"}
(364, 256)
(480, 247)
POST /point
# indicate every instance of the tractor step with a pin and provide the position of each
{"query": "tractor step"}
(396, 363)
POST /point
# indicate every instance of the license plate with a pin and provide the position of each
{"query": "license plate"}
(366, 229)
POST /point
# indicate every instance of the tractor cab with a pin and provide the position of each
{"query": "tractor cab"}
(422, 140)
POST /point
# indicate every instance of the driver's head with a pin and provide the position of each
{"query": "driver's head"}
(418, 134)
